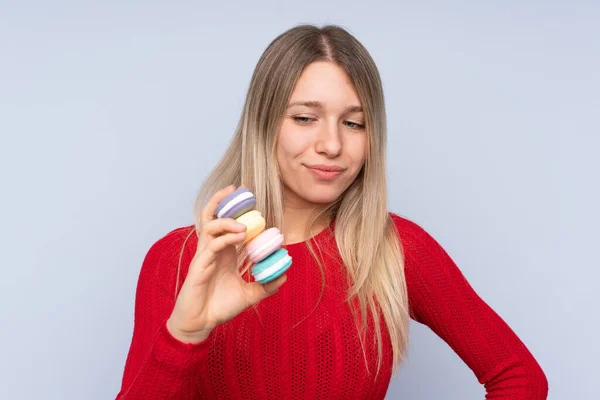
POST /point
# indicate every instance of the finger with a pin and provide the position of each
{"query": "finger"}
(208, 213)
(220, 226)
(201, 264)
(258, 291)
(206, 256)
(217, 244)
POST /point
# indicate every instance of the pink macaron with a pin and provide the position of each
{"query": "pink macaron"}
(264, 244)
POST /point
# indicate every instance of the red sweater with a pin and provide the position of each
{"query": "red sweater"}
(287, 348)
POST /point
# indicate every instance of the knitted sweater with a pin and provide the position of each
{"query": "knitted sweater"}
(299, 344)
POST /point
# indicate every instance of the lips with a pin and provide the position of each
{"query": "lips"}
(326, 168)
(325, 172)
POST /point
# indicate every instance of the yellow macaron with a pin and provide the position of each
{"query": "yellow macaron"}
(255, 224)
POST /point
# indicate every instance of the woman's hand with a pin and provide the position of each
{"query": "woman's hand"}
(213, 291)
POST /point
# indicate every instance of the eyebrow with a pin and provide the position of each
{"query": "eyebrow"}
(318, 104)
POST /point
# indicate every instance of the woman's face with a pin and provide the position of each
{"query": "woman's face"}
(322, 143)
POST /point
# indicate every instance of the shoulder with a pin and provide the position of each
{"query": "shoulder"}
(415, 240)
(173, 242)
(174, 237)
(408, 228)
(403, 223)
(165, 254)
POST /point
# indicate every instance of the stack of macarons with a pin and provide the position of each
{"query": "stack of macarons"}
(263, 246)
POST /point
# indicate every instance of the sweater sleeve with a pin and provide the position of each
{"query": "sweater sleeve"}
(158, 365)
(441, 298)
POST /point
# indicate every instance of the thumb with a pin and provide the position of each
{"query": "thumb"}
(259, 291)
(273, 287)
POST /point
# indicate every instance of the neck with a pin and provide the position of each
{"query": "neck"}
(296, 217)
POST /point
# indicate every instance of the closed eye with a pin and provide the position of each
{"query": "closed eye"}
(349, 124)
(303, 120)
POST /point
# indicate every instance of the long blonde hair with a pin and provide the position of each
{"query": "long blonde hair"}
(366, 236)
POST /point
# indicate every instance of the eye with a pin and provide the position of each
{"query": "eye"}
(303, 120)
(354, 125)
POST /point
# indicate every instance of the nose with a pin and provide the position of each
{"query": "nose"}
(329, 140)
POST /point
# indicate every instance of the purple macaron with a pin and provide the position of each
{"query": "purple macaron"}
(237, 203)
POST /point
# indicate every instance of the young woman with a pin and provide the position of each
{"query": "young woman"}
(311, 145)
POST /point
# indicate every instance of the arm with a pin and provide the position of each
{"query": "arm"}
(158, 365)
(441, 298)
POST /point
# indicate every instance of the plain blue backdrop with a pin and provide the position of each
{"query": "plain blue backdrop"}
(112, 113)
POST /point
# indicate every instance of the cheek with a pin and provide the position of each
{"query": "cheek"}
(357, 150)
(292, 142)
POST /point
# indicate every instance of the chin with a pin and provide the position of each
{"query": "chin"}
(320, 195)
(321, 199)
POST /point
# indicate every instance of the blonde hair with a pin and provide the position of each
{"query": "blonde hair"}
(366, 236)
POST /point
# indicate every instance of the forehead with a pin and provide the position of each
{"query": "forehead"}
(327, 83)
